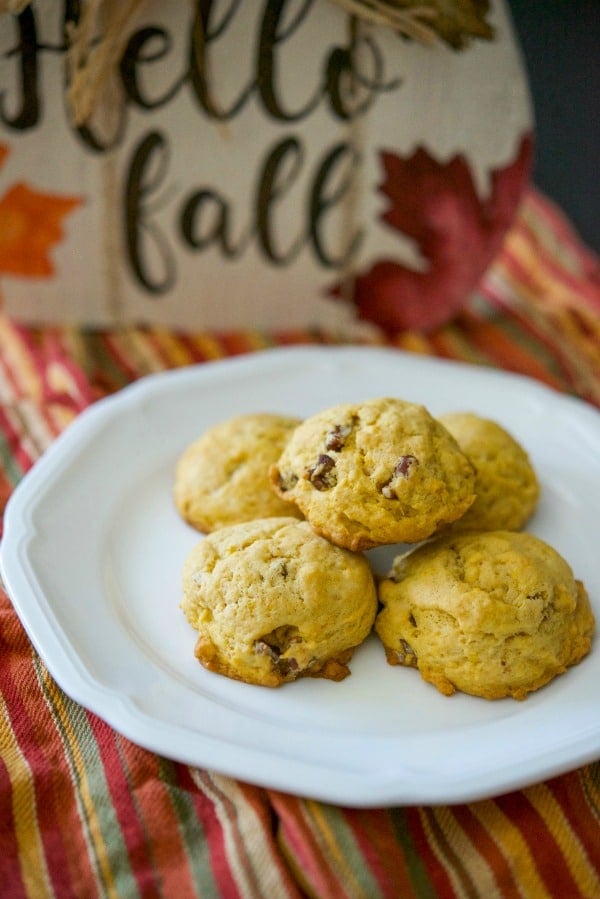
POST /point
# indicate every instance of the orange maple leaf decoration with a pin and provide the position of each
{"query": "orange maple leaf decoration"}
(30, 225)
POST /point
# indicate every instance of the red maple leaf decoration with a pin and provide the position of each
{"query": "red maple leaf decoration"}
(30, 225)
(457, 232)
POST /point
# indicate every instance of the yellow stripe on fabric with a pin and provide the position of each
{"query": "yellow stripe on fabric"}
(478, 876)
(554, 325)
(573, 853)
(208, 346)
(514, 848)
(257, 340)
(34, 871)
(336, 849)
(139, 352)
(175, 350)
(461, 884)
(413, 342)
(81, 782)
(18, 359)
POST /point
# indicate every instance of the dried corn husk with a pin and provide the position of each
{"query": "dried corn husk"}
(98, 39)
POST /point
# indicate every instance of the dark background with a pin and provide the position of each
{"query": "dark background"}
(560, 42)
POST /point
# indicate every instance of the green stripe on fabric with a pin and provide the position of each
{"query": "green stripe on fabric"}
(104, 838)
(191, 832)
(132, 793)
(517, 331)
(417, 871)
(8, 462)
(96, 358)
(340, 846)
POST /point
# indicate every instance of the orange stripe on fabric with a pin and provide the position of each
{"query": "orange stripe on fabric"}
(32, 860)
(551, 283)
(412, 342)
(528, 319)
(540, 264)
(54, 793)
(492, 340)
(173, 352)
(207, 346)
(541, 211)
(561, 332)
(10, 868)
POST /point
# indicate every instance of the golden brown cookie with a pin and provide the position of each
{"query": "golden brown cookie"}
(366, 474)
(222, 478)
(492, 614)
(272, 601)
(505, 482)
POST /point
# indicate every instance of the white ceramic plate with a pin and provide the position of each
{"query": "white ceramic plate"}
(93, 551)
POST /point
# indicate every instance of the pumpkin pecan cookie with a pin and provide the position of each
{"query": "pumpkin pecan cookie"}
(222, 478)
(272, 601)
(493, 614)
(379, 472)
(505, 482)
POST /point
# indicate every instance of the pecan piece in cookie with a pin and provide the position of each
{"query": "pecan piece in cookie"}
(335, 439)
(322, 475)
(401, 470)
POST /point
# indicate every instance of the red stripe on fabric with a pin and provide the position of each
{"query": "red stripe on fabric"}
(563, 230)
(192, 347)
(508, 355)
(258, 799)
(528, 324)
(488, 849)
(546, 853)
(113, 347)
(53, 788)
(6, 488)
(304, 851)
(435, 870)
(214, 835)
(378, 843)
(153, 337)
(11, 882)
(162, 828)
(134, 836)
(582, 817)
(547, 271)
(234, 343)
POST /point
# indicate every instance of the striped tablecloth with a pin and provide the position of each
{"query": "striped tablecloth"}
(85, 813)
